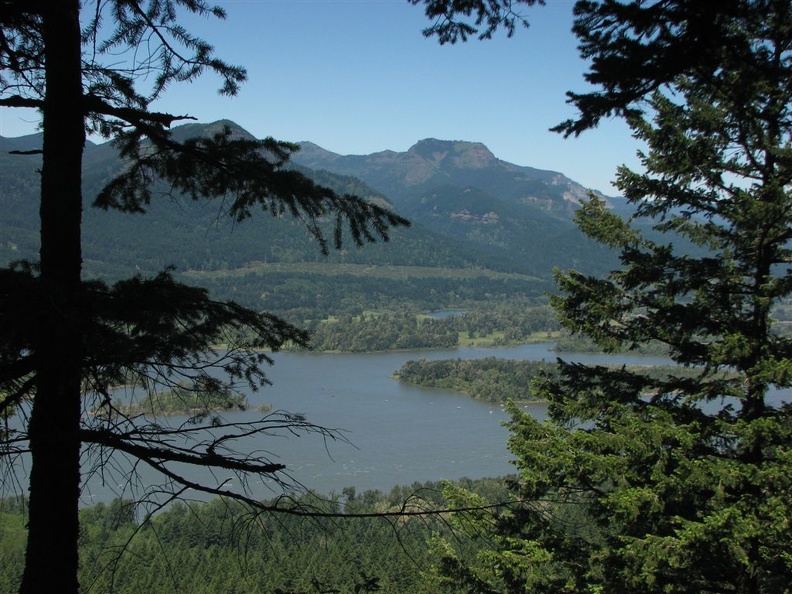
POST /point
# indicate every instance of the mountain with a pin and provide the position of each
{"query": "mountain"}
(407, 177)
(470, 212)
(460, 189)
(194, 235)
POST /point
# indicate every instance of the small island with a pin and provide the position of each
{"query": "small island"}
(491, 379)
(186, 400)
(497, 380)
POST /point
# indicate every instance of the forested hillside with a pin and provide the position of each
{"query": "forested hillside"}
(219, 547)
(494, 240)
(432, 163)
(459, 189)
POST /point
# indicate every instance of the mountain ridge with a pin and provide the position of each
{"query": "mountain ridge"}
(433, 162)
(469, 209)
(460, 189)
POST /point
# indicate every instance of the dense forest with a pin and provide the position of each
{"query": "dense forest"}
(500, 325)
(318, 291)
(500, 380)
(492, 379)
(220, 547)
(665, 480)
(524, 241)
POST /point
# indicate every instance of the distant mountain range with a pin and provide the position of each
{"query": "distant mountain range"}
(469, 210)
(521, 217)
(408, 178)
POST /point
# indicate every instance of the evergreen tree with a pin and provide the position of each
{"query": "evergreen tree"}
(98, 68)
(678, 483)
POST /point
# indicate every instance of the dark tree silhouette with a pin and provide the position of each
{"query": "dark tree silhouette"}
(675, 483)
(64, 340)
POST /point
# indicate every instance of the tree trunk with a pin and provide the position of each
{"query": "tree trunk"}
(53, 528)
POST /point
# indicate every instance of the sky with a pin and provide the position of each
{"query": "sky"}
(358, 76)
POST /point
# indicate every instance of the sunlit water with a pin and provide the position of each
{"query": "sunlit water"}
(391, 433)
(394, 434)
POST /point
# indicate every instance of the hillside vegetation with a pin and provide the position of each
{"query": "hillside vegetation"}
(219, 547)
(484, 232)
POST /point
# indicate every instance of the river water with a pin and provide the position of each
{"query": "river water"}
(401, 433)
(396, 434)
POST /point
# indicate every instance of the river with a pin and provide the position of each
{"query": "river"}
(396, 433)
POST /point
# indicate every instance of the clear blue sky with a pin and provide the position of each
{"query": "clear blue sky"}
(357, 76)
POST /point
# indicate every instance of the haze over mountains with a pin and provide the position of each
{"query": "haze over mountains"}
(430, 164)
(470, 210)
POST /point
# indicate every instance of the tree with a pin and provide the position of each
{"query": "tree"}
(64, 340)
(678, 483)
(633, 48)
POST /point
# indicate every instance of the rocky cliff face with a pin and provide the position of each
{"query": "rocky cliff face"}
(433, 163)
